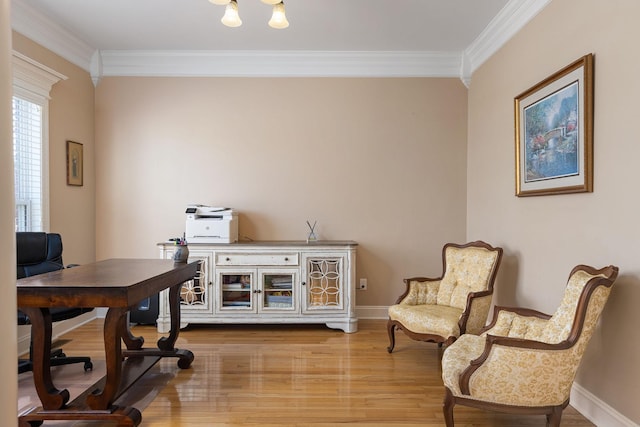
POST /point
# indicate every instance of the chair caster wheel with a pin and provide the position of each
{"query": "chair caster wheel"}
(88, 366)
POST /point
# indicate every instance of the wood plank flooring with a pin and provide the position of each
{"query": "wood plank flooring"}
(283, 375)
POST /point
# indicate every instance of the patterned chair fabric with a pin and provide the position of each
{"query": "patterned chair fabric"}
(525, 361)
(441, 309)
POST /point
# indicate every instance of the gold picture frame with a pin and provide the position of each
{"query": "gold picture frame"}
(75, 163)
(554, 133)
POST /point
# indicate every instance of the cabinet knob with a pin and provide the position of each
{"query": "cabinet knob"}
(286, 258)
(227, 259)
(304, 283)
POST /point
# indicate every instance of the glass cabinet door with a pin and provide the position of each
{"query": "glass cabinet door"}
(236, 289)
(323, 284)
(278, 290)
(194, 294)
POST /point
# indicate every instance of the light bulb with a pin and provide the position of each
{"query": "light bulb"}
(231, 17)
(278, 18)
(272, 2)
(220, 2)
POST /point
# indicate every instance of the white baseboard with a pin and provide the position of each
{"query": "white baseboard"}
(597, 411)
(372, 312)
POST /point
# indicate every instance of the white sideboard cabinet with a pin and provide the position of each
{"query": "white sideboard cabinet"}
(267, 282)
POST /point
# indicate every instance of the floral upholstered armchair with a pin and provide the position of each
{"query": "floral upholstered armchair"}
(440, 310)
(526, 361)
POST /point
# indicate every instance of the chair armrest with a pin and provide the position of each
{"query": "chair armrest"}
(515, 361)
(479, 294)
(528, 312)
(474, 317)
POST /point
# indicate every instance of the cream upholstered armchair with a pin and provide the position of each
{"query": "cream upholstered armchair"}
(526, 361)
(440, 310)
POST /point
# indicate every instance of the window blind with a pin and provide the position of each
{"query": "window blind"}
(28, 154)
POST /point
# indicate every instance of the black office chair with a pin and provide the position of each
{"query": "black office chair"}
(39, 253)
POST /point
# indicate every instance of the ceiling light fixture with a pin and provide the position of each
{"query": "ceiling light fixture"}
(231, 17)
(278, 19)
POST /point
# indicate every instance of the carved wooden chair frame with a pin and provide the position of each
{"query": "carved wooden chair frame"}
(392, 325)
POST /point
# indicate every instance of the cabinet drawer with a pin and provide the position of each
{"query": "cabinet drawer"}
(258, 259)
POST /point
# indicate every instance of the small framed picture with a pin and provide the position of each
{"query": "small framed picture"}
(74, 163)
(554, 133)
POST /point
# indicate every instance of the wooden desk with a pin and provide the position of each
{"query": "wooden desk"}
(119, 284)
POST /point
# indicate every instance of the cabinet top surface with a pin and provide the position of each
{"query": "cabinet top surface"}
(273, 243)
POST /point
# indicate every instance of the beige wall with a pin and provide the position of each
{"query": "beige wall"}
(544, 237)
(379, 161)
(8, 372)
(71, 117)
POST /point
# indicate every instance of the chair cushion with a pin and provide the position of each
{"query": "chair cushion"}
(425, 292)
(468, 270)
(514, 325)
(559, 326)
(551, 331)
(428, 319)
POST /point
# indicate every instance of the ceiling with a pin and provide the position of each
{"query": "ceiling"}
(386, 37)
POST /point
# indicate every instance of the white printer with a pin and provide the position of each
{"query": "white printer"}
(207, 224)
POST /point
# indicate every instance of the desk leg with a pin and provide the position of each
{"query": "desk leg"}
(167, 343)
(132, 342)
(114, 323)
(49, 395)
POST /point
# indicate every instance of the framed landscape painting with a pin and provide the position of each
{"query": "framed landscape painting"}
(554, 133)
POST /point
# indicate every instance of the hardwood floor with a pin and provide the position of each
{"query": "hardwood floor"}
(283, 375)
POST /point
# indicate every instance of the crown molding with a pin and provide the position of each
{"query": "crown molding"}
(36, 26)
(277, 64)
(511, 19)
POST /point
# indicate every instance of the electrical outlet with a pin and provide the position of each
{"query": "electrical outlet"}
(363, 284)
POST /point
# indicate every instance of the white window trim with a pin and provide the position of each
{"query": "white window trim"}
(33, 81)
